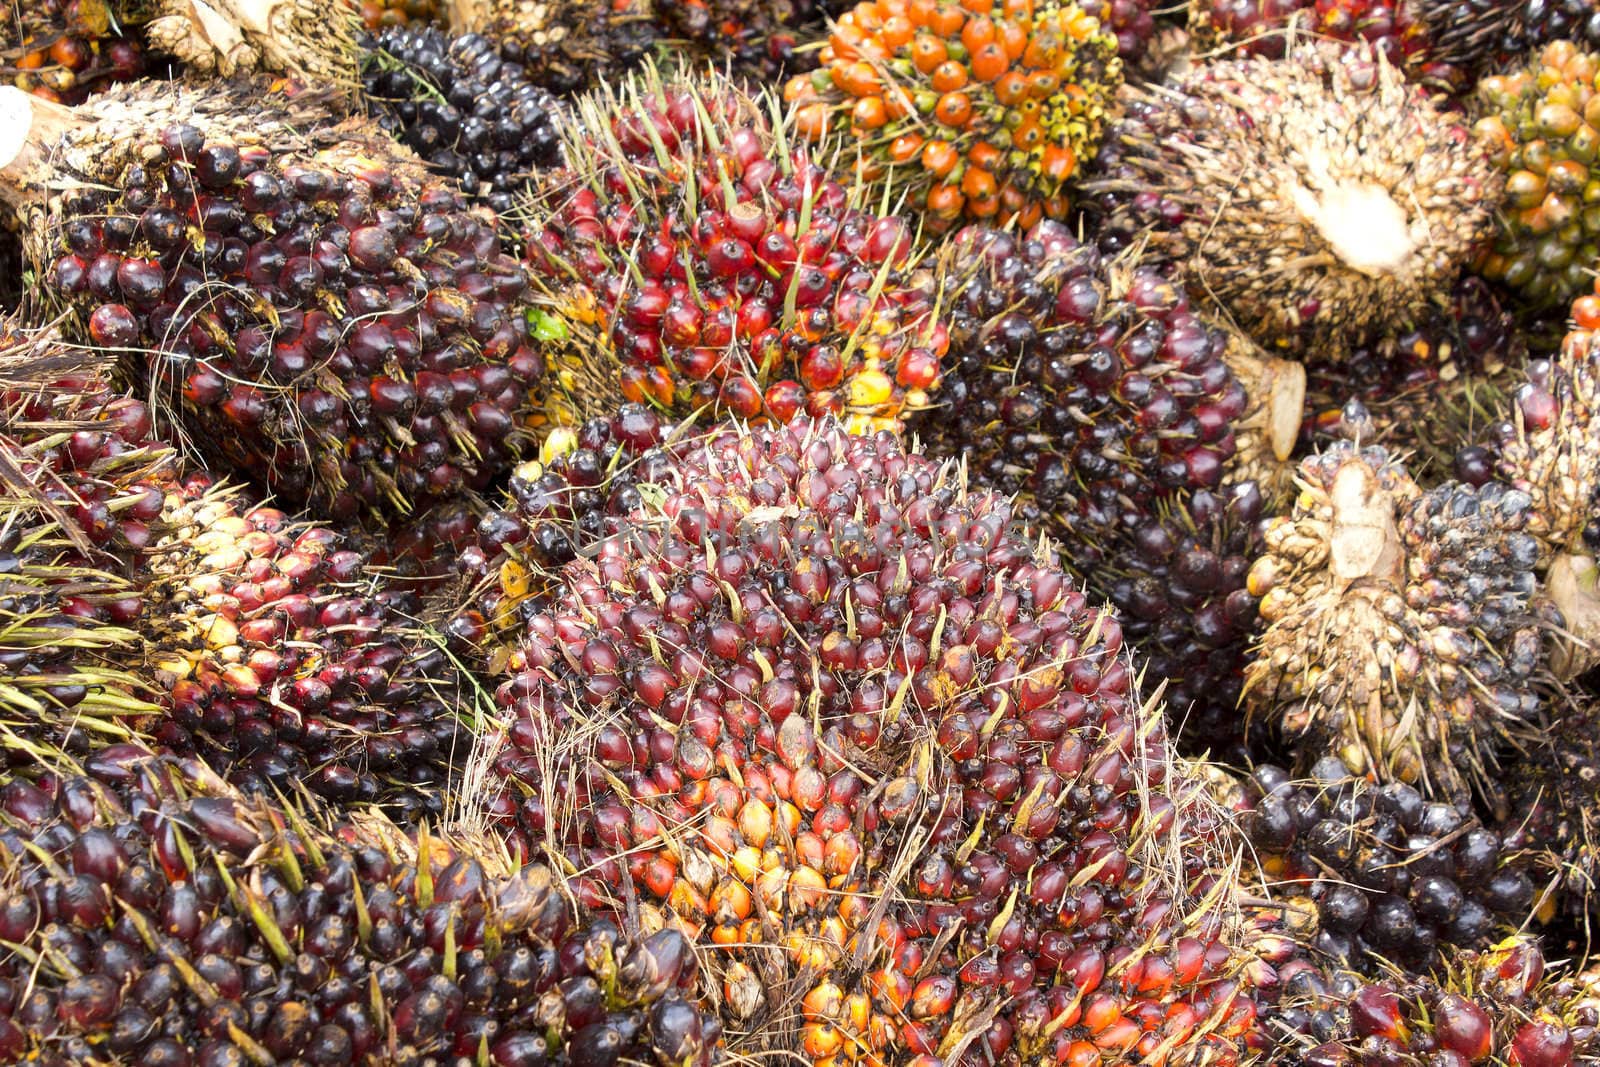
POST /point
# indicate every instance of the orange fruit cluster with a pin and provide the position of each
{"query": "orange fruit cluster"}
(979, 109)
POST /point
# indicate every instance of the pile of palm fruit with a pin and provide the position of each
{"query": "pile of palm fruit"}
(870, 533)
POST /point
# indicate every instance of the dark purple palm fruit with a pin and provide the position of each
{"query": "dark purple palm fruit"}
(152, 914)
(1390, 874)
(329, 318)
(463, 109)
(840, 715)
(1145, 439)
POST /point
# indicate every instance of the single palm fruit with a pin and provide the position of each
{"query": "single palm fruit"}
(1144, 438)
(153, 915)
(699, 259)
(1390, 875)
(329, 318)
(1491, 1006)
(64, 49)
(838, 717)
(1431, 392)
(963, 111)
(1540, 125)
(1547, 447)
(1321, 198)
(463, 109)
(1402, 627)
(311, 40)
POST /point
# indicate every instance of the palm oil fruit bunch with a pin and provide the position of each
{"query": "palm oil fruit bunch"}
(1432, 391)
(1132, 23)
(977, 110)
(63, 49)
(1493, 1006)
(1144, 438)
(839, 717)
(700, 251)
(1321, 198)
(151, 915)
(330, 319)
(1402, 631)
(565, 46)
(468, 113)
(1539, 124)
(283, 658)
(310, 40)
(1392, 875)
(1548, 446)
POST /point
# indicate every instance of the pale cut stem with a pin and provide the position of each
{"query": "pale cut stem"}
(30, 128)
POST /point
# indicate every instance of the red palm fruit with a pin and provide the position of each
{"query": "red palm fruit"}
(827, 659)
(709, 264)
(252, 926)
(301, 373)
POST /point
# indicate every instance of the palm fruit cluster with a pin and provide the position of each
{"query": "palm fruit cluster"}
(832, 713)
(1143, 437)
(1545, 446)
(63, 49)
(1539, 123)
(571, 46)
(1402, 630)
(1431, 392)
(715, 266)
(1321, 198)
(1133, 23)
(151, 915)
(464, 110)
(1392, 875)
(1266, 27)
(330, 319)
(1494, 1006)
(265, 644)
(966, 111)
(313, 40)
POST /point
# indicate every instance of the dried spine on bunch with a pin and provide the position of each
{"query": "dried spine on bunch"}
(1321, 198)
(310, 39)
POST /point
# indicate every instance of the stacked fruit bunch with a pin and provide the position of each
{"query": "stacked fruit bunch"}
(1321, 198)
(1540, 122)
(379, 15)
(463, 109)
(1402, 628)
(333, 321)
(314, 40)
(721, 268)
(972, 110)
(819, 697)
(62, 49)
(1495, 1006)
(1145, 438)
(153, 915)
(1476, 35)
(1392, 875)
